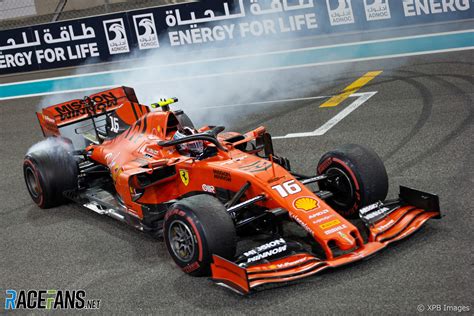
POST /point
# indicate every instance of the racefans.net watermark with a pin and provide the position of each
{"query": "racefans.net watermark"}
(443, 308)
(49, 300)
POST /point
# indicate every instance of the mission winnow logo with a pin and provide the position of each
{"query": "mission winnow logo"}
(49, 300)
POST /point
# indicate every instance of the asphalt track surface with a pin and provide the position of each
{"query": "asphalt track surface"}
(421, 124)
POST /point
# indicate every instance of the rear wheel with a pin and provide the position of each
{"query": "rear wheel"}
(48, 173)
(357, 177)
(195, 228)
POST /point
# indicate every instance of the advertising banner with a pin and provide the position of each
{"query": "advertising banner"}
(204, 24)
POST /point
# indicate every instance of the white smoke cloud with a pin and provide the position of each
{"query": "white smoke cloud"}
(197, 87)
(205, 84)
(49, 143)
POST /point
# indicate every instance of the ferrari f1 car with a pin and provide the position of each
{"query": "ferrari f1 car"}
(209, 193)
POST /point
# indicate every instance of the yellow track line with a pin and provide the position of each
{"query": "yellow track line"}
(351, 89)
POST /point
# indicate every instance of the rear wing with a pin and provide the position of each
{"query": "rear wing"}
(54, 117)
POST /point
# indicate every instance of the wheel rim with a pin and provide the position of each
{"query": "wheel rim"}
(32, 182)
(181, 241)
(340, 184)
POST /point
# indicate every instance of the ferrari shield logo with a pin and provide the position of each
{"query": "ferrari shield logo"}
(184, 174)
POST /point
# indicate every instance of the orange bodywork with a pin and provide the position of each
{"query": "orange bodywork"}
(136, 151)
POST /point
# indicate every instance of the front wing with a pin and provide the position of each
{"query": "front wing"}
(398, 223)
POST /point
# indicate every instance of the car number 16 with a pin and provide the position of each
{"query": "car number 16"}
(114, 124)
(287, 188)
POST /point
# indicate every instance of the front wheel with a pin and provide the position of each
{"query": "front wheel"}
(195, 228)
(356, 178)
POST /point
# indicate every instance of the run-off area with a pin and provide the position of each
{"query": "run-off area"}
(420, 121)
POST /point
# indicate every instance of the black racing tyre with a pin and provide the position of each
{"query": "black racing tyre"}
(357, 178)
(48, 172)
(195, 228)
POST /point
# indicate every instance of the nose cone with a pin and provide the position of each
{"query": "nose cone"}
(345, 241)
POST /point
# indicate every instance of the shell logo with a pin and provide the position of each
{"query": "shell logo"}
(306, 204)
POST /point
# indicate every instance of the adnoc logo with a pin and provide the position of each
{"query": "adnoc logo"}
(145, 29)
(340, 12)
(377, 10)
(116, 36)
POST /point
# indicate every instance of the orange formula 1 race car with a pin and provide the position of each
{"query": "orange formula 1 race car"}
(208, 193)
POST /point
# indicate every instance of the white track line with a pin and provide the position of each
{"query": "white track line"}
(250, 71)
(269, 102)
(361, 99)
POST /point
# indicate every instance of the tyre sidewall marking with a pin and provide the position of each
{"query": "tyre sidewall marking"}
(354, 180)
(198, 236)
(345, 166)
(324, 165)
(186, 219)
(328, 162)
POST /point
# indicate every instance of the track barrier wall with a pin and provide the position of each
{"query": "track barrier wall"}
(198, 25)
